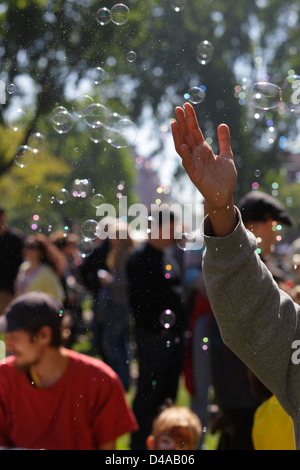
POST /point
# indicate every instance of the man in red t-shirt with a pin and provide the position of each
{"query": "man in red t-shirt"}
(51, 397)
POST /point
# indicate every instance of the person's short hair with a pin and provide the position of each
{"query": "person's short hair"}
(2, 210)
(178, 416)
(257, 206)
(31, 311)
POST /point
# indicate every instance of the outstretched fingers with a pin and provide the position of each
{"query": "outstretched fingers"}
(193, 125)
(224, 141)
(188, 126)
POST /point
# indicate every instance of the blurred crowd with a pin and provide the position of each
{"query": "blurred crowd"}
(143, 306)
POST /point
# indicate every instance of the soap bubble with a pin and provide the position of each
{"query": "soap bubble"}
(89, 229)
(16, 119)
(62, 196)
(265, 95)
(97, 134)
(24, 156)
(66, 126)
(103, 16)
(36, 142)
(81, 188)
(95, 115)
(62, 120)
(97, 200)
(186, 241)
(123, 134)
(204, 52)
(195, 95)
(59, 115)
(11, 88)
(119, 14)
(85, 247)
(80, 104)
(167, 318)
(131, 56)
(291, 92)
(97, 75)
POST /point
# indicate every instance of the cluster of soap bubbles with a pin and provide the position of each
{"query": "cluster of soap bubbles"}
(82, 188)
(266, 95)
(119, 14)
(102, 124)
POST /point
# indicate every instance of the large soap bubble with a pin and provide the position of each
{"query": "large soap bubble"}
(123, 134)
(119, 14)
(265, 95)
(24, 156)
(95, 115)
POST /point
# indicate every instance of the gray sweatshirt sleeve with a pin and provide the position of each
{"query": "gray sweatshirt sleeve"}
(257, 320)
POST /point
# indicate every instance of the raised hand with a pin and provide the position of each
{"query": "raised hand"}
(214, 175)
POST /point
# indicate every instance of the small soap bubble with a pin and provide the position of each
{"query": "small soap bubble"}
(123, 134)
(195, 95)
(95, 115)
(167, 318)
(62, 196)
(65, 126)
(186, 241)
(120, 14)
(24, 156)
(103, 16)
(11, 88)
(265, 95)
(36, 141)
(59, 115)
(131, 56)
(257, 173)
(97, 75)
(204, 52)
(16, 119)
(97, 200)
(85, 247)
(89, 229)
(291, 92)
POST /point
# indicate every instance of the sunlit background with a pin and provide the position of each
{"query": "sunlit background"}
(88, 91)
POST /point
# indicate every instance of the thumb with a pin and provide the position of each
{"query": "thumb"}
(224, 140)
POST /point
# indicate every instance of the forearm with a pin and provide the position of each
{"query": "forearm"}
(223, 220)
(257, 320)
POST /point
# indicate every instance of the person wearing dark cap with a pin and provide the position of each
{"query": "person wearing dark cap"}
(258, 321)
(11, 250)
(51, 397)
(264, 216)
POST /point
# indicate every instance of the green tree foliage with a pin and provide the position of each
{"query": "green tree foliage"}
(56, 44)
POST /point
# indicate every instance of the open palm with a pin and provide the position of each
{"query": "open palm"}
(214, 175)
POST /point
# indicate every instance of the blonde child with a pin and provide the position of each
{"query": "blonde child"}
(175, 428)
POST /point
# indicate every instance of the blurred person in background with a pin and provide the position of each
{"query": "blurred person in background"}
(42, 269)
(11, 251)
(114, 304)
